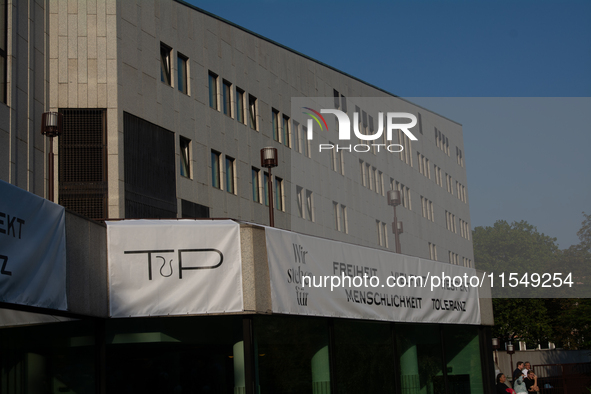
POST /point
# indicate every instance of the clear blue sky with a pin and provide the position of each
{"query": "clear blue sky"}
(534, 166)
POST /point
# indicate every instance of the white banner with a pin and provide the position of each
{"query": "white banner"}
(32, 249)
(393, 294)
(174, 267)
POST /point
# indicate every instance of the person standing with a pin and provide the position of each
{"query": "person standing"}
(526, 367)
(517, 373)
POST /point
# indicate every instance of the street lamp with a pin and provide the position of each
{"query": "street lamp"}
(394, 200)
(269, 160)
(496, 345)
(510, 352)
(51, 126)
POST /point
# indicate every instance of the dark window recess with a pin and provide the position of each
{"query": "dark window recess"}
(83, 162)
(150, 189)
(192, 210)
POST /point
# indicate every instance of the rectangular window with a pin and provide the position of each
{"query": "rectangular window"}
(286, 136)
(165, 66)
(183, 73)
(370, 176)
(379, 228)
(420, 119)
(230, 169)
(240, 105)
(252, 112)
(344, 103)
(381, 183)
(275, 123)
(310, 205)
(385, 232)
(377, 179)
(227, 98)
(256, 185)
(337, 216)
(300, 201)
(185, 145)
(213, 90)
(278, 193)
(342, 162)
(363, 176)
(215, 169)
(296, 137)
(436, 137)
(344, 223)
(357, 114)
(306, 142)
(333, 158)
(337, 99)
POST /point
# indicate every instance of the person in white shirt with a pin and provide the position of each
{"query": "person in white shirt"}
(526, 367)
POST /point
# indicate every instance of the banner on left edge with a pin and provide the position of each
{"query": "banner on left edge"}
(32, 250)
(174, 267)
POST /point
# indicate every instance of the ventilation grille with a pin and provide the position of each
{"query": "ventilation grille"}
(83, 162)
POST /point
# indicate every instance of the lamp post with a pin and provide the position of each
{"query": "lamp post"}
(269, 160)
(51, 126)
(495, 346)
(397, 228)
(511, 352)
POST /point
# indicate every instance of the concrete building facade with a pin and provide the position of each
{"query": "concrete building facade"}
(103, 62)
(165, 110)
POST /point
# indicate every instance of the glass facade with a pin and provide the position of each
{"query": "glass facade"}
(241, 354)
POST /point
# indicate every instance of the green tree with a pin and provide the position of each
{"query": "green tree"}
(513, 248)
(519, 247)
(516, 248)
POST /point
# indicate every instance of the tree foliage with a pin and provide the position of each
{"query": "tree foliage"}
(518, 247)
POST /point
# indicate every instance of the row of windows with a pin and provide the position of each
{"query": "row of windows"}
(223, 177)
(341, 222)
(305, 199)
(464, 229)
(372, 178)
(302, 143)
(450, 222)
(222, 172)
(441, 141)
(232, 101)
(281, 128)
(166, 68)
(461, 189)
(427, 206)
(404, 193)
(454, 259)
(424, 167)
